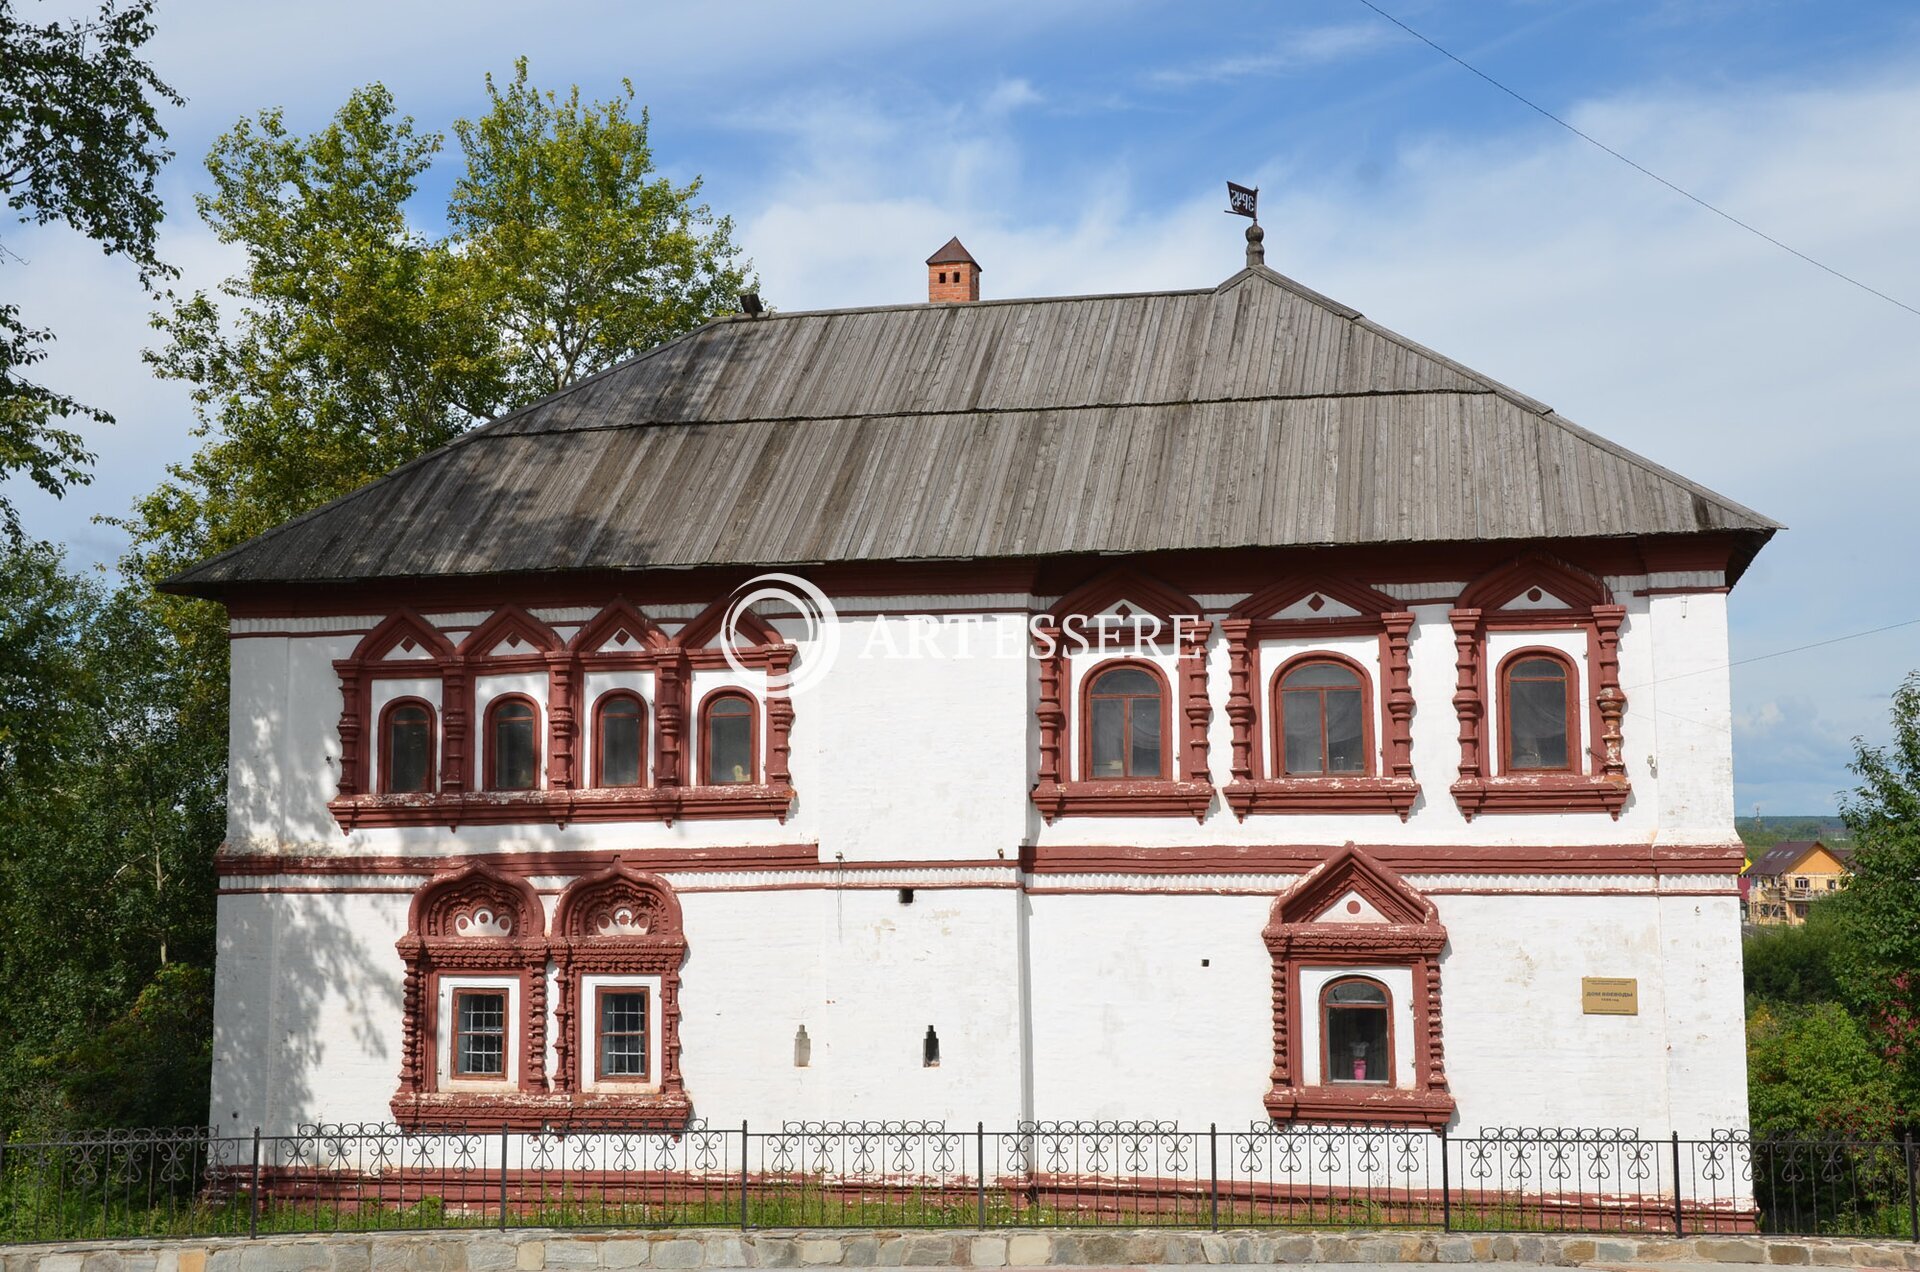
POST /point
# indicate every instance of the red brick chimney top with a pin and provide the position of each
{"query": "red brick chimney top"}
(952, 274)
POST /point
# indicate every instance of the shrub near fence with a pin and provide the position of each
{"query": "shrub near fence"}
(926, 1175)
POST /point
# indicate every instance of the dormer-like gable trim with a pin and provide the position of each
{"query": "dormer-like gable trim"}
(1125, 585)
(1285, 593)
(1351, 869)
(621, 615)
(398, 630)
(1577, 590)
(514, 627)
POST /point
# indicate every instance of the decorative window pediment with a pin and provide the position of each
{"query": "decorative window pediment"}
(1352, 921)
(510, 633)
(620, 631)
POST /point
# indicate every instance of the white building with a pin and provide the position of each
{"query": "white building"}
(1239, 711)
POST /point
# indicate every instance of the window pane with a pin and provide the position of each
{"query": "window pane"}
(482, 1035)
(623, 1035)
(1125, 680)
(1109, 737)
(1146, 738)
(729, 743)
(1537, 714)
(409, 749)
(512, 746)
(1300, 721)
(1357, 1044)
(620, 743)
(1318, 675)
(1354, 991)
(1346, 733)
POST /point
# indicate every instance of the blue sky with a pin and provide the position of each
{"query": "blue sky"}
(1079, 147)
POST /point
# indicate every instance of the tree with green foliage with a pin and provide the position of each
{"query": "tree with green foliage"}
(1813, 1071)
(111, 799)
(1796, 966)
(80, 144)
(1880, 958)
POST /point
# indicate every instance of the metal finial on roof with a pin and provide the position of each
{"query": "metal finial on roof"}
(1256, 253)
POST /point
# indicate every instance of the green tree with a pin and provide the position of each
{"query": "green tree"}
(1812, 1072)
(81, 144)
(1880, 960)
(110, 798)
(1791, 967)
(579, 253)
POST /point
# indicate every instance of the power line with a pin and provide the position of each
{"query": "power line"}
(1640, 168)
(1778, 653)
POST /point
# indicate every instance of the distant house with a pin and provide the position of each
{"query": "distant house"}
(1784, 880)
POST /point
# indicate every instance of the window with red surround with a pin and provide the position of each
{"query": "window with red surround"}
(1312, 735)
(407, 747)
(1110, 749)
(474, 999)
(729, 729)
(1529, 756)
(1352, 927)
(523, 764)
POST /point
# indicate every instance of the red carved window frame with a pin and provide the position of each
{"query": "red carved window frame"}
(618, 922)
(600, 1073)
(1368, 742)
(1089, 692)
(452, 932)
(1299, 936)
(490, 759)
(1057, 792)
(387, 713)
(456, 1034)
(752, 716)
(1259, 784)
(1326, 1029)
(605, 700)
(1597, 780)
(514, 642)
(1570, 708)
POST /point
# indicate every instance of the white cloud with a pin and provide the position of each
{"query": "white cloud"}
(1315, 46)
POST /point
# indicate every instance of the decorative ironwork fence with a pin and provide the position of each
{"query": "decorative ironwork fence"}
(925, 1174)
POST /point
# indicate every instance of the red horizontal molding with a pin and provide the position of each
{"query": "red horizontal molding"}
(1450, 858)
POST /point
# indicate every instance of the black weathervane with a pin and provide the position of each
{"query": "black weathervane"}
(1245, 201)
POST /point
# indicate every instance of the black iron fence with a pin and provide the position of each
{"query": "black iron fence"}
(926, 1174)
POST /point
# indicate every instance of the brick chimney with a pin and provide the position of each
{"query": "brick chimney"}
(952, 275)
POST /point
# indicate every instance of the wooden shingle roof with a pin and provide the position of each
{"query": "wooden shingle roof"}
(1258, 413)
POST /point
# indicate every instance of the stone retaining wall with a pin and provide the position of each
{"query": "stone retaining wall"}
(537, 1250)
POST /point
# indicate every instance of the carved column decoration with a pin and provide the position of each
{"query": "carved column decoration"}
(1240, 709)
(1051, 710)
(1466, 694)
(456, 702)
(1608, 697)
(353, 705)
(1436, 1058)
(779, 716)
(563, 681)
(670, 688)
(1282, 1060)
(1198, 710)
(410, 1066)
(1399, 696)
(566, 1068)
(533, 1060)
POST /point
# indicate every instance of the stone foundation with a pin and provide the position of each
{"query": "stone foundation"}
(536, 1250)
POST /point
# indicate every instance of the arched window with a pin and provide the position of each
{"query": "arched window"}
(727, 724)
(1538, 725)
(1126, 724)
(513, 745)
(1356, 1031)
(619, 740)
(406, 747)
(1323, 719)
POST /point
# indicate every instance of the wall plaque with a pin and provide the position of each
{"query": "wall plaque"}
(1610, 995)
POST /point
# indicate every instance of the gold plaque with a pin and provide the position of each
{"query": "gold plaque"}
(1609, 995)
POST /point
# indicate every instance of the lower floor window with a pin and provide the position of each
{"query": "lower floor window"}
(480, 1034)
(1355, 1014)
(622, 1030)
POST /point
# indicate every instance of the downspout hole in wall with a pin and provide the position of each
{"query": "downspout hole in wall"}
(930, 1050)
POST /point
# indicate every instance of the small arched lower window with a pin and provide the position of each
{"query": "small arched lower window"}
(1323, 723)
(1536, 691)
(727, 757)
(1357, 1031)
(619, 740)
(1126, 724)
(513, 745)
(406, 748)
